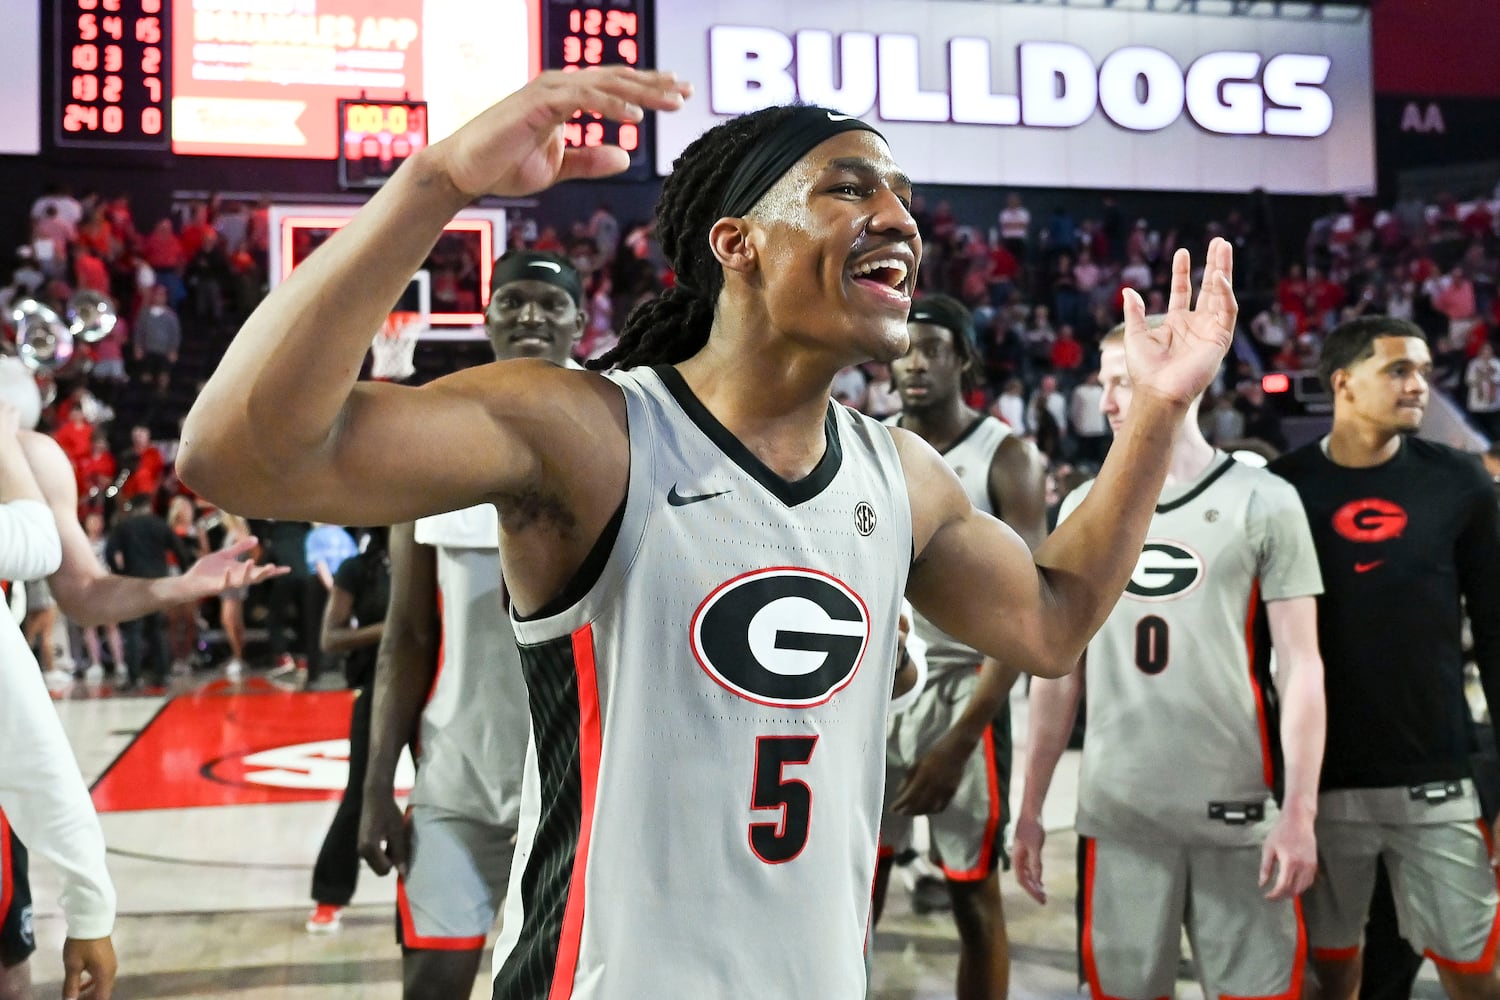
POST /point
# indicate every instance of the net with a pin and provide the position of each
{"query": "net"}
(394, 345)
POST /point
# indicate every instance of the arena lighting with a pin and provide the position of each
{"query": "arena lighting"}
(1275, 382)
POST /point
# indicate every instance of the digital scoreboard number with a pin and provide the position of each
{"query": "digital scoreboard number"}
(111, 63)
(376, 137)
(583, 33)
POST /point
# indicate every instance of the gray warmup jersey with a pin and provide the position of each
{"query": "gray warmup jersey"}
(704, 783)
(475, 723)
(1177, 718)
(969, 457)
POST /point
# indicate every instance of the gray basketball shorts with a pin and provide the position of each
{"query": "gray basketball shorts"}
(455, 881)
(969, 835)
(1138, 897)
(1437, 853)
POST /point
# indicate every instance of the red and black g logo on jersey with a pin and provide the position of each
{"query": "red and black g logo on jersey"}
(1165, 571)
(787, 636)
(1370, 520)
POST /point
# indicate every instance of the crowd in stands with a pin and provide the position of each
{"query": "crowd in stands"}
(1042, 286)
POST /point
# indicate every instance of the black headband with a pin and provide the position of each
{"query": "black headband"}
(773, 156)
(948, 313)
(537, 265)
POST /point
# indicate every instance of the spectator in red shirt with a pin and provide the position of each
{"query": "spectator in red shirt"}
(1067, 354)
(75, 434)
(96, 470)
(145, 462)
(89, 271)
(1292, 291)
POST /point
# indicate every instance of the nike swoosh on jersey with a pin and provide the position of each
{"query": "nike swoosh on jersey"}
(679, 500)
(1362, 567)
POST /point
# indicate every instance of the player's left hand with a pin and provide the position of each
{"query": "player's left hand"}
(930, 785)
(1180, 358)
(1291, 854)
(516, 147)
(222, 570)
(88, 969)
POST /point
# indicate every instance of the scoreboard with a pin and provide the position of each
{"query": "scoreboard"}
(377, 137)
(363, 82)
(577, 34)
(111, 68)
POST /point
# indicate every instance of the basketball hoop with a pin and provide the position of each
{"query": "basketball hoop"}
(394, 345)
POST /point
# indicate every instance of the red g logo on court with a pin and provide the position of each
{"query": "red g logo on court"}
(1370, 520)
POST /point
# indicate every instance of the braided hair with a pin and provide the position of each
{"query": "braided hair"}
(675, 325)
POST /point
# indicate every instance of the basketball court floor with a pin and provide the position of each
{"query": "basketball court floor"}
(214, 799)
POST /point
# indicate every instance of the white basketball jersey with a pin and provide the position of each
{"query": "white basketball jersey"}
(1181, 744)
(969, 457)
(708, 723)
(474, 726)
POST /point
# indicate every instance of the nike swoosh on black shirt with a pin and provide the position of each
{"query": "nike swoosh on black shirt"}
(679, 500)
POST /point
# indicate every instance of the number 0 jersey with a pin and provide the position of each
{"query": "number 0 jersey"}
(1180, 744)
(708, 723)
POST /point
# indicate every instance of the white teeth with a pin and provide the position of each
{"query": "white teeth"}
(894, 264)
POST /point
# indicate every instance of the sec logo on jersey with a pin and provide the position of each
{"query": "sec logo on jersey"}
(1165, 571)
(788, 636)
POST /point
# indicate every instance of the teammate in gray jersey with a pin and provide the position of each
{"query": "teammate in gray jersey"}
(706, 557)
(466, 717)
(1176, 791)
(948, 755)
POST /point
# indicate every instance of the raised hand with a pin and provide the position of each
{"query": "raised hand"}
(1179, 358)
(516, 147)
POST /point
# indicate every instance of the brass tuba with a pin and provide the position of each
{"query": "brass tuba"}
(43, 341)
(91, 315)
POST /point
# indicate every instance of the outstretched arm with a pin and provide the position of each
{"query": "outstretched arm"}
(284, 405)
(90, 595)
(404, 672)
(1038, 613)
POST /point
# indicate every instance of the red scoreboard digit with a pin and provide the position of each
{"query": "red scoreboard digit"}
(111, 63)
(580, 33)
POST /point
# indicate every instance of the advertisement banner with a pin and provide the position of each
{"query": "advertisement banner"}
(261, 77)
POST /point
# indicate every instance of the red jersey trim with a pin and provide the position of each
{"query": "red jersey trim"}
(981, 869)
(590, 741)
(7, 876)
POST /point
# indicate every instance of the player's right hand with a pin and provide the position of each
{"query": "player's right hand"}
(88, 969)
(1026, 857)
(382, 835)
(516, 147)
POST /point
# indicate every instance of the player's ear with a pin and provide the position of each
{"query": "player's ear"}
(1337, 380)
(733, 247)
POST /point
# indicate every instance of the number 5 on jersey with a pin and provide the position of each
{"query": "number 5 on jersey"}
(779, 842)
